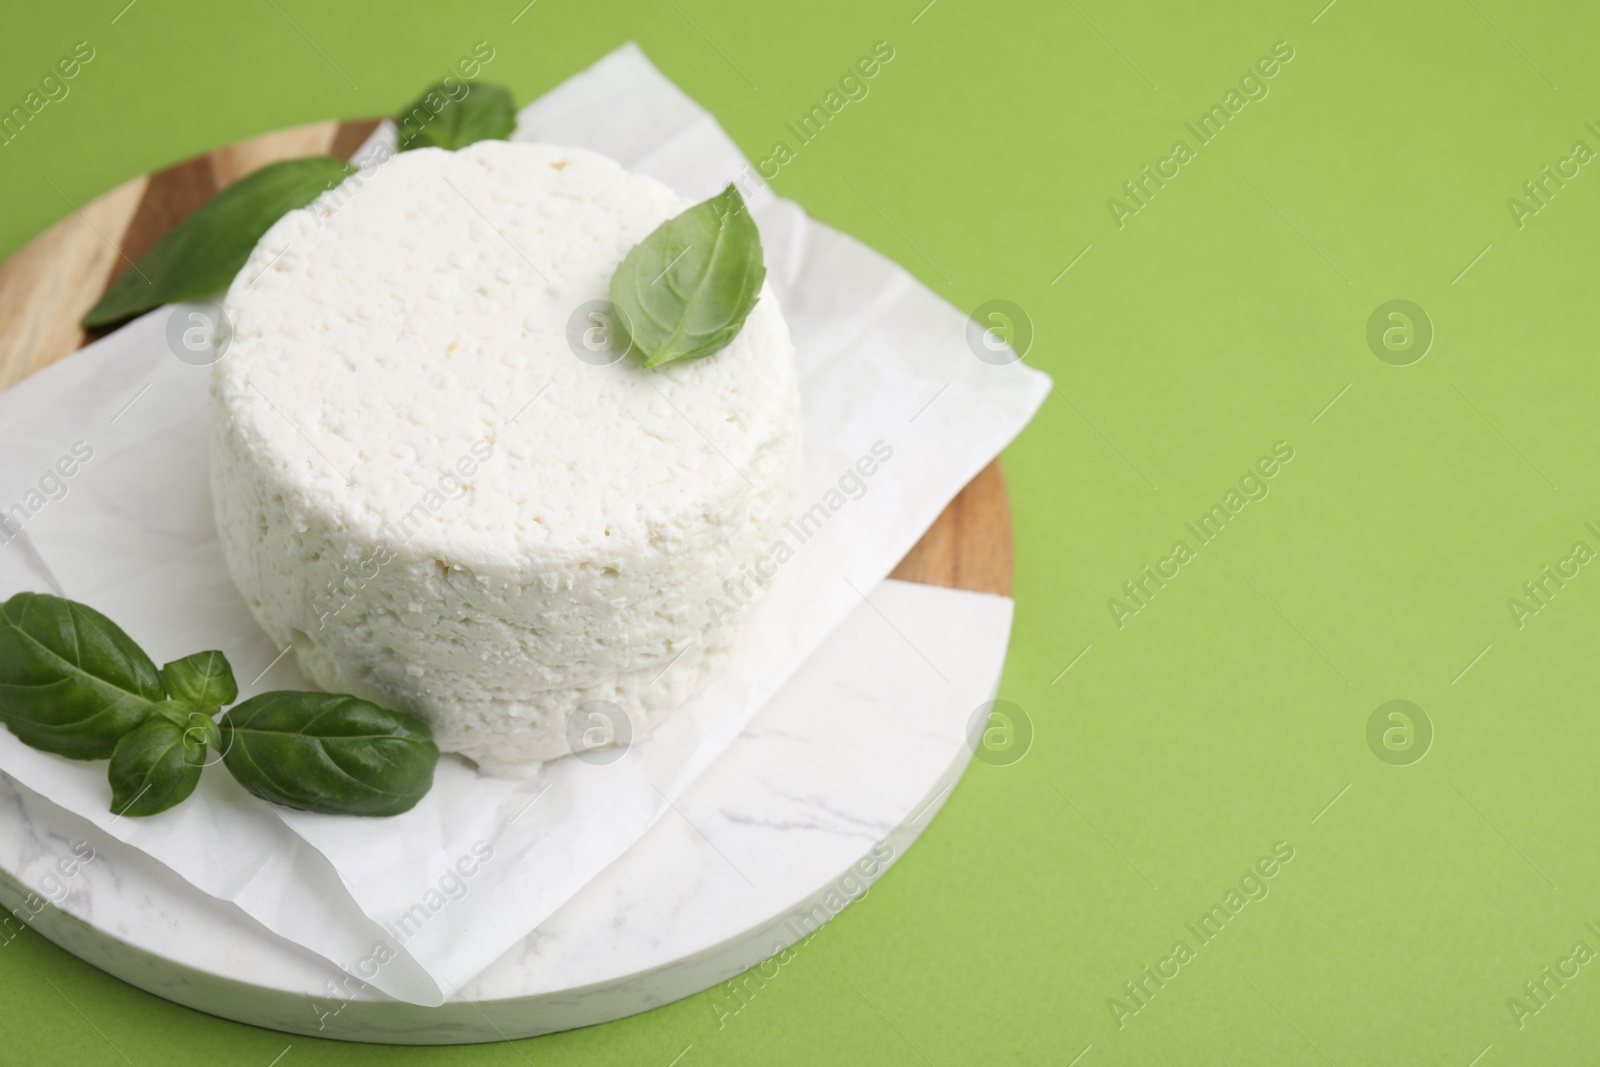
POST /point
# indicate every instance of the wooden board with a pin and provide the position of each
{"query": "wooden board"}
(46, 287)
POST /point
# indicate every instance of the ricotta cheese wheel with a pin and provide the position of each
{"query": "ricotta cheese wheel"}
(442, 504)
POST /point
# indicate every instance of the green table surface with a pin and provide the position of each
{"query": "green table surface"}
(1219, 314)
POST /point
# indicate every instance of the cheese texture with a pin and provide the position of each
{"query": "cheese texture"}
(424, 491)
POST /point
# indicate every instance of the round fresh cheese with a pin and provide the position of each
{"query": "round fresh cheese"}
(433, 482)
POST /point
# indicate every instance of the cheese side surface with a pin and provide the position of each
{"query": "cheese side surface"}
(422, 489)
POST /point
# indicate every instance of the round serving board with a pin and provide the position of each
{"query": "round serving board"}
(665, 921)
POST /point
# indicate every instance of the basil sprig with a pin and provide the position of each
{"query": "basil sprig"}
(202, 253)
(685, 290)
(439, 119)
(73, 683)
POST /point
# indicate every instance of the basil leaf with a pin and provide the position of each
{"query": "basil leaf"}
(204, 680)
(438, 120)
(685, 290)
(327, 753)
(155, 767)
(202, 253)
(71, 682)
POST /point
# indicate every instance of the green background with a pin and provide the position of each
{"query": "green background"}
(1223, 317)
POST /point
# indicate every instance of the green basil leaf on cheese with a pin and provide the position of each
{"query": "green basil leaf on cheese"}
(71, 682)
(204, 680)
(440, 119)
(321, 752)
(202, 253)
(685, 291)
(155, 767)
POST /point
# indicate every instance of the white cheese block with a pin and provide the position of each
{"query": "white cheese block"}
(426, 493)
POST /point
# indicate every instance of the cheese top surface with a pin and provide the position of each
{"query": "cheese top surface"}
(406, 342)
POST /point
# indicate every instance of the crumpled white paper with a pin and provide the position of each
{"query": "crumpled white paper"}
(881, 359)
